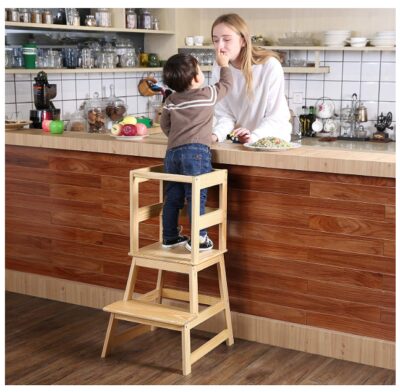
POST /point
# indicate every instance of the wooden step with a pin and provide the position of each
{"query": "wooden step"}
(179, 254)
(150, 312)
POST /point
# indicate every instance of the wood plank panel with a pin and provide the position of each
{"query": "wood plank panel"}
(264, 172)
(364, 228)
(307, 238)
(383, 195)
(330, 254)
(275, 185)
(27, 187)
(390, 213)
(314, 205)
(376, 330)
(325, 273)
(388, 317)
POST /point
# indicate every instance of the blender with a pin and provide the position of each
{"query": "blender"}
(43, 93)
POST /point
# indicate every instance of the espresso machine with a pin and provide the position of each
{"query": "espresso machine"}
(43, 93)
(382, 124)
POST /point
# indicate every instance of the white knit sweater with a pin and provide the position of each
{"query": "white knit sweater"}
(267, 114)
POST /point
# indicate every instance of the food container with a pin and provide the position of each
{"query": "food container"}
(116, 107)
(77, 123)
(96, 115)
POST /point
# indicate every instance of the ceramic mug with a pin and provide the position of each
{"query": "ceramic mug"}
(189, 41)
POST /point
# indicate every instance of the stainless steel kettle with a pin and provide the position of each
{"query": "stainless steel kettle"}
(361, 114)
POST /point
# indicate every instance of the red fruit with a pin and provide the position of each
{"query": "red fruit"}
(141, 129)
(129, 130)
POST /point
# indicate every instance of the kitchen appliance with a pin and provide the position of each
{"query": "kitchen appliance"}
(43, 93)
(382, 124)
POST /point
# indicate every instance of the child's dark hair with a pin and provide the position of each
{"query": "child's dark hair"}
(179, 71)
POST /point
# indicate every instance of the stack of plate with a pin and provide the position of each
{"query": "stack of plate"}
(336, 37)
(384, 38)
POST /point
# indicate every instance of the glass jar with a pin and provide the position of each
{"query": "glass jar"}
(145, 19)
(36, 16)
(155, 24)
(131, 19)
(47, 17)
(9, 58)
(77, 123)
(96, 115)
(14, 15)
(90, 21)
(103, 17)
(116, 107)
(25, 16)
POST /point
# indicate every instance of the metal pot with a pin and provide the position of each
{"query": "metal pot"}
(362, 114)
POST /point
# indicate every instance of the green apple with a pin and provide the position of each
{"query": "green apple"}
(128, 120)
(116, 129)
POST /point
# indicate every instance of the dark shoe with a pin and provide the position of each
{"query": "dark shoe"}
(205, 244)
(181, 240)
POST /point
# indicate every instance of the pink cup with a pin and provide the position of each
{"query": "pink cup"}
(46, 125)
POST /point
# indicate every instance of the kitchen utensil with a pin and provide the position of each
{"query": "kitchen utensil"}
(361, 113)
(317, 125)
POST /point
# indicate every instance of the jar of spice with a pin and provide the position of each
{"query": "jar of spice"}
(36, 16)
(103, 17)
(47, 17)
(14, 15)
(25, 16)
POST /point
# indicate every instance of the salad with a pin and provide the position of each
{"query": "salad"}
(271, 142)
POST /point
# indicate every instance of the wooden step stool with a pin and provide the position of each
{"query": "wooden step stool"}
(147, 309)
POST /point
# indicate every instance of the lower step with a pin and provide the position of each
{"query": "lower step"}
(149, 311)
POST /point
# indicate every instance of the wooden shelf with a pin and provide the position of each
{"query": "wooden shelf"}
(316, 48)
(308, 70)
(43, 26)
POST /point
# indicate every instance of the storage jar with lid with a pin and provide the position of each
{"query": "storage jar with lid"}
(103, 17)
(77, 123)
(96, 115)
(131, 19)
(25, 16)
(116, 107)
(145, 19)
(47, 17)
(90, 21)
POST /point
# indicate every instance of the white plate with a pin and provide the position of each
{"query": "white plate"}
(129, 137)
(293, 145)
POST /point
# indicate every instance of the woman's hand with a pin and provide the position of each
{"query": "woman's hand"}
(243, 134)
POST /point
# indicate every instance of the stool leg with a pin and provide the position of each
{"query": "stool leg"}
(130, 284)
(112, 323)
(223, 289)
(186, 365)
(193, 291)
(159, 286)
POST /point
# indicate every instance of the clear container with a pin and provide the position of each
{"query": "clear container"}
(155, 24)
(25, 16)
(131, 19)
(14, 15)
(96, 115)
(116, 107)
(36, 16)
(103, 17)
(47, 17)
(90, 21)
(77, 123)
(9, 58)
(145, 19)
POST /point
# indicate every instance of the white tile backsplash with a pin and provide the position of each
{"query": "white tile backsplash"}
(369, 91)
(370, 72)
(371, 75)
(387, 91)
(388, 72)
(386, 107)
(351, 71)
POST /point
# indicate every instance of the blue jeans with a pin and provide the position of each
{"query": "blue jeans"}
(192, 160)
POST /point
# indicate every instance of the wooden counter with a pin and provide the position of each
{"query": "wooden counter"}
(361, 158)
(311, 235)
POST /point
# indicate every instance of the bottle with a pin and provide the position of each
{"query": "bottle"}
(311, 118)
(302, 119)
(145, 19)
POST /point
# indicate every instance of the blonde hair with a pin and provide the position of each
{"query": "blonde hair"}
(249, 54)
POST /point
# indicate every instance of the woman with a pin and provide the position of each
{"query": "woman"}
(256, 107)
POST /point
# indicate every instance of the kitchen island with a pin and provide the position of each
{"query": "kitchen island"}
(311, 235)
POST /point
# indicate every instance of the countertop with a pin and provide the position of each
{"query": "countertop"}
(343, 157)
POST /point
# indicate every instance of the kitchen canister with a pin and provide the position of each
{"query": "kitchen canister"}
(29, 52)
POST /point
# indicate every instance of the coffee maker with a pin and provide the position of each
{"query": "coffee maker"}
(382, 124)
(43, 93)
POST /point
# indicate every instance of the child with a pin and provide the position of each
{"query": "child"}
(187, 119)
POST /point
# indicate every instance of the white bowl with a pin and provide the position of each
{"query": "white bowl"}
(357, 40)
(358, 44)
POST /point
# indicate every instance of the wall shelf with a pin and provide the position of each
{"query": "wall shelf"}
(43, 26)
(316, 48)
